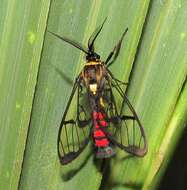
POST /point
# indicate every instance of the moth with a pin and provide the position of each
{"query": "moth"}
(98, 109)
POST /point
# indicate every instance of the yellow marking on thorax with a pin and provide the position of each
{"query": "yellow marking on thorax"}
(93, 88)
(93, 63)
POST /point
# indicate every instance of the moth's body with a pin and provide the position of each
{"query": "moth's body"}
(94, 76)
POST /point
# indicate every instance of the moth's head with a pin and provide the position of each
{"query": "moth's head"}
(92, 56)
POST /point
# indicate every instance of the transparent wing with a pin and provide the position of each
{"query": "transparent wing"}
(75, 128)
(125, 129)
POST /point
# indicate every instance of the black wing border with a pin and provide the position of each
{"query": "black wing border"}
(113, 82)
(69, 157)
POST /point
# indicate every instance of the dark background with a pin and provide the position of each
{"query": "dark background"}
(175, 177)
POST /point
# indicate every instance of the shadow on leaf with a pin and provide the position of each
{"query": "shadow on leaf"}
(70, 171)
(63, 75)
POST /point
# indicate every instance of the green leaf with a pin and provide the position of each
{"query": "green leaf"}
(157, 79)
(22, 26)
(152, 59)
(60, 64)
(176, 126)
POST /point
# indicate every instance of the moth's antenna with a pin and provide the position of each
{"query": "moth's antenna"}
(94, 36)
(72, 42)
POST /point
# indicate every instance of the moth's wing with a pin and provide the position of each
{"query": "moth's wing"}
(125, 129)
(75, 129)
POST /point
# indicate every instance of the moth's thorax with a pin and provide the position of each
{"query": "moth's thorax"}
(92, 75)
